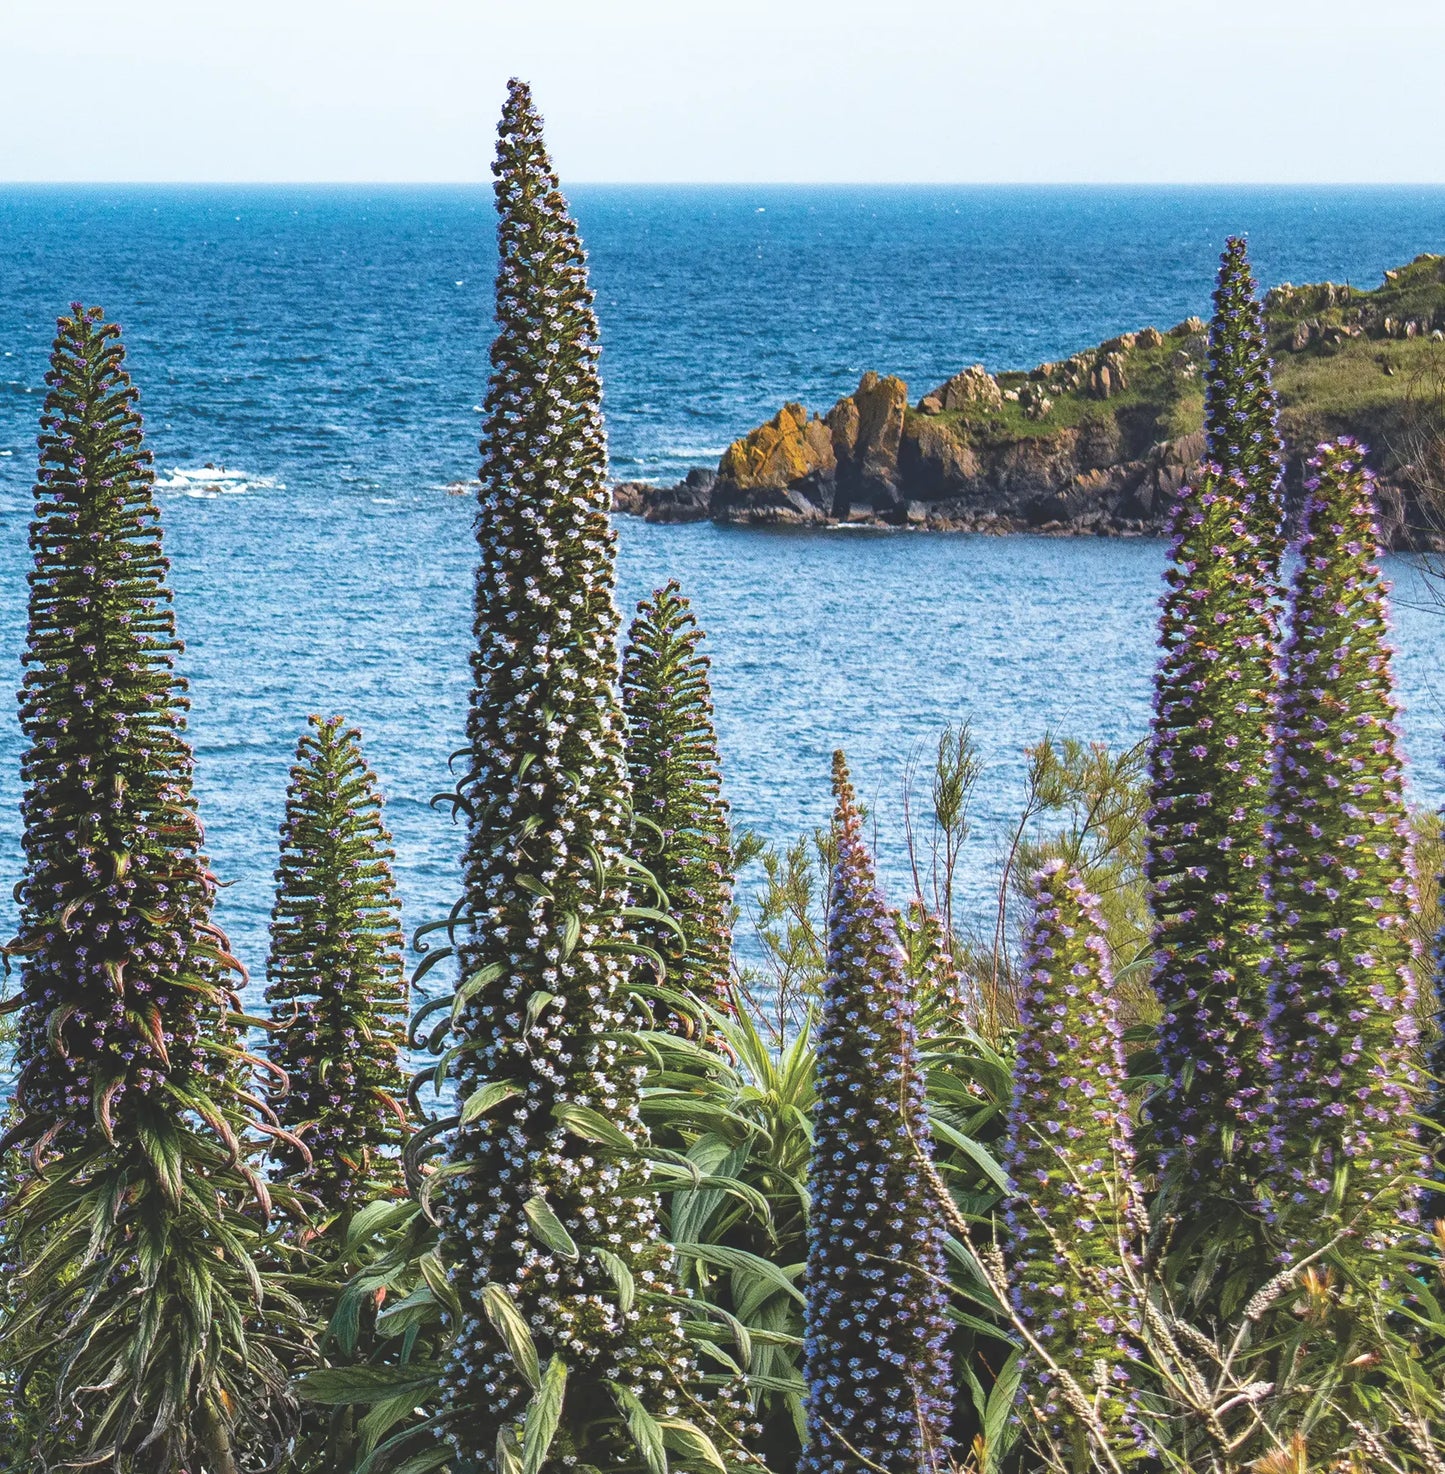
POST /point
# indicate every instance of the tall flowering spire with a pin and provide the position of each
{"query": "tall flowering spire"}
(1432, 1202)
(1241, 409)
(136, 1297)
(335, 965)
(1210, 752)
(555, 1253)
(1073, 1221)
(875, 1346)
(681, 817)
(1342, 1024)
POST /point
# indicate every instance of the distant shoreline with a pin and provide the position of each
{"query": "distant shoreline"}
(1098, 443)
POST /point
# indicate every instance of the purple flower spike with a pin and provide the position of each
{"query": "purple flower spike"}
(1342, 1023)
(1073, 1221)
(875, 1351)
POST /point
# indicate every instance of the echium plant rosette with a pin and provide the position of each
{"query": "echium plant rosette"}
(335, 980)
(1210, 752)
(1073, 1220)
(566, 1347)
(1342, 1025)
(681, 832)
(135, 1223)
(875, 1350)
(1241, 408)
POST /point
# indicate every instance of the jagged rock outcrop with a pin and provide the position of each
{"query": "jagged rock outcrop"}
(798, 468)
(867, 429)
(1097, 442)
(690, 500)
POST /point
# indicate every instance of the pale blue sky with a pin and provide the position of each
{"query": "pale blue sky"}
(748, 90)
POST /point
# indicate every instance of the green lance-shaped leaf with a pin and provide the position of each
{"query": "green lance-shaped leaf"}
(135, 1224)
(335, 978)
(551, 1173)
(682, 832)
(1343, 1035)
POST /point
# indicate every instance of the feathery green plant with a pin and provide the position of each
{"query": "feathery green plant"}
(335, 963)
(681, 818)
(136, 1227)
(568, 1347)
(1075, 1214)
(1342, 1024)
(876, 1342)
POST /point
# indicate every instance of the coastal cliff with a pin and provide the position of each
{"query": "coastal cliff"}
(1096, 443)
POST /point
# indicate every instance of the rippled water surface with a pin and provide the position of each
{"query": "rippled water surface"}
(310, 360)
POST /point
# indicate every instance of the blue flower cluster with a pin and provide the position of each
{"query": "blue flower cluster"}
(875, 1349)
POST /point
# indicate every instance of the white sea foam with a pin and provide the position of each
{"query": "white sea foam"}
(214, 481)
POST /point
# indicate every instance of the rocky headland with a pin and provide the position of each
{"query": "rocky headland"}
(1096, 443)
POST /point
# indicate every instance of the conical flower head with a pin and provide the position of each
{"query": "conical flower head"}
(147, 1321)
(875, 1346)
(1210, 752)
(1073, 1219)
(1342, 1025)
(120, 964)
(545, 1209)
(681, 817)
(335, 972)
(1241, 409)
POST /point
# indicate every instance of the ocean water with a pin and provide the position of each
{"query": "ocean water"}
(311, 359)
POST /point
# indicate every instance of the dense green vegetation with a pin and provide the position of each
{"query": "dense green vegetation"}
(1144, 1179)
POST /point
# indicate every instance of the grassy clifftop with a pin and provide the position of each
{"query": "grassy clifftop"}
(1346, 360)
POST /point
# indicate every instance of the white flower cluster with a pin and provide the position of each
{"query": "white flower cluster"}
(545, 1208)
(875, 1351)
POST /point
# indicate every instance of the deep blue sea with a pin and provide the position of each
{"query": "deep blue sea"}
(327, 348)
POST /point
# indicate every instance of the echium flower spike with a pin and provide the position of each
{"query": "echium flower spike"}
(1342, 1024)
(335, 979)
(1073, 1220)
(681, 829)
(1210, 750)
(1432, 1203)
(147, 1318)
(547, 1222)
(1241, 409)
(875, 1350)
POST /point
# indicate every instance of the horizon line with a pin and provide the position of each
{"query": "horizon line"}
(480, 183)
